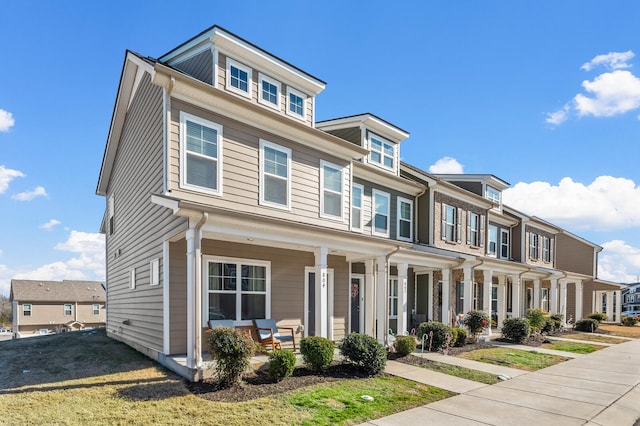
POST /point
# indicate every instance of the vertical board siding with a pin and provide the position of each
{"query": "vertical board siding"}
(199, 66)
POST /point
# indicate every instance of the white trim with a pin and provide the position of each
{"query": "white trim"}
(497, 241)
(383, 142)
(184, 117)
(265, 143)
(30, 310)
(500, 244)
(166, 322)
(398, 219)
(375, 192)
(395, 304)
(262, 77)
(64, 309)
(330, 306)
(303, 116)
(324, 164)
(361, 188)
(154, 272)
(241, 67)
(132, 278)
(214, 68)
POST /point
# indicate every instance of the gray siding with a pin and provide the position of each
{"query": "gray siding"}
(462, 246)
(140, 226)
(199, 66)
(475, 187)
(573, 255)
(351, 134)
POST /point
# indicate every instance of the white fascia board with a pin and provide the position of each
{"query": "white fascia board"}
(386, 179)
(394, 134)
(461, 194)
(611, 283)
(170, 203)
(425, 259)
(496, 217)
(414, 171)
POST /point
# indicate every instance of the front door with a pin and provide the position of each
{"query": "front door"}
(356, 297)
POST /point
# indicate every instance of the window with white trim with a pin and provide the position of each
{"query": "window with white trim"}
(534, 246)
(132, 278)
(547, 249)
(154, 272)
(545, 299)
(504, 244)
(26, 310)
(493, 195)
(275, 175)
(393, 298)
(451, 223)
(357, 194)
(201, 147)
(111, 212)
(68, 309)
(239, 78)
(237, 289)
(405, 219)
(475, 229)
(296, 103)
(269, 91)
(331, 190)
(381, 211)
(492, 245)
(95, 309)
(382, 152)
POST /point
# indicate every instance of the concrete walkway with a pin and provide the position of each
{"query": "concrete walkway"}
(602, 388)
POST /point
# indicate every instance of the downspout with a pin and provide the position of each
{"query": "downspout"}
(198, 292)
(416, 210)
(387, 268)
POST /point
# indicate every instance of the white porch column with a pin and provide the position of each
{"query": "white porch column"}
(486, 295)
(516, 296)
(192, 321)
(322, 292)
(578, 285)
(553, 303)
(609, 305)
(381, 298)
(370, 299)
(563, 300)
(536, 293)
(430, 298)
(467, 284)
(402, 322)
(618, 296)
(445, 309)
(502, 299)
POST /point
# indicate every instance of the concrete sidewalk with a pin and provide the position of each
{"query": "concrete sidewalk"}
(602, 388)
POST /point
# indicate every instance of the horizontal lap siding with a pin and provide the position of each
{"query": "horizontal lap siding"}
(341, 296)
(140, 226)
(200, 66)
(573, 255)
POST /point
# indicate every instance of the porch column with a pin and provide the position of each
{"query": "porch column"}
(502, 299)
(578, 285)
(192, 321)
(402, 323)
(369, 297)
(553, 303)
(516, 297)
(382, 298)
(467, 284)
(322, 292)
(446, 295)
(618, 296)
(536, 294)
(430, 298)
(609, 305)
(486, 296)
(563, 300)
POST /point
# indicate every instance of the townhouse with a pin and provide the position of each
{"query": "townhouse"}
(225, 198)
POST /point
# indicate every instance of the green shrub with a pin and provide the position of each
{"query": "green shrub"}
(557, 320)
(629, 321)
(404, 345)
(515, 329)
(598, 316)
(588, 324)
(476, 321)
(365, 352)
(454, 335)
(232, 351)
(536, 318)
(281, 364)
(549, 326)
(440, 332)
(317, 352)
(461, 338)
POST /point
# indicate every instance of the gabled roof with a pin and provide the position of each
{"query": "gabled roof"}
(489, 179)
(371, 121)
(57, 291)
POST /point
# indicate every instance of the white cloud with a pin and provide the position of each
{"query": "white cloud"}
(30, 195)
(619, 262)
(558, 117)
(612, 93)
(446, 165)
(50, 225)
(6, 120)
(606, 203)
(6, 176)
(611, 60)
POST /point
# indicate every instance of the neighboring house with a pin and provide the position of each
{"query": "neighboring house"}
(631, 298)
(41, 307)
(226, 199)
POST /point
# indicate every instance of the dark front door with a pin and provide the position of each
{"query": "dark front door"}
(311, 304)
(356, 288)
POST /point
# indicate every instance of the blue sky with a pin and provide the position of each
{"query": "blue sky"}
(544, 95)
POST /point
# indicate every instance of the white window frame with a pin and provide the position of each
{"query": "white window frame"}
(495, 242)
(400, 219)
(238, 291)
(544, 299)
(291, 90)
(502, 244)
(266, 144)
(241, 67)
(490, 197)
(473, 234)
(95, 309)
(374, 193)
(393, 300)
(111, 213)
(25, 310)
(358, 208)
(534, 246)
(324, 164)
(154, 272)
(132, 279)
(264, 78)
(184, 118)
(382, 154)
(457, 224)
(70, 309)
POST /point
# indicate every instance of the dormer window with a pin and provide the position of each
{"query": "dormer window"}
(493, 195)
(269, 91)
(382, 152)
(296, 103)
(238, 78)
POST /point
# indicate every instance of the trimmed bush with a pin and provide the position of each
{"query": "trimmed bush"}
(454, 335)
(232, 351)
(557, 320)
(281, 364)
(598, 316)
(629, 321)
(461, 338)
(549, 326)
(440, 332)
(515, 329)
(365, 352)
(476, 321)
(536, 318)
(588, 324)
(317, 352)
(404, 345)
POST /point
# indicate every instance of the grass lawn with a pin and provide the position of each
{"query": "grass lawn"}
(452, 370)
(594, 338)
(573, 347)
(514, 358)
(85, 377)
(621, 330)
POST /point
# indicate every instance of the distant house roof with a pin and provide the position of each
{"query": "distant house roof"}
(57, 291)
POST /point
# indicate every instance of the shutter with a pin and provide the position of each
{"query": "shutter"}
(469, 227)
(459, 225)
(482, 226)
(443, 227)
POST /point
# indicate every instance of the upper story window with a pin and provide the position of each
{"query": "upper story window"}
(475, 229)
(504, 244)
(26, 309)
(493, 195)
(382, 152)
(238, 78)
(111, 209)
(451, 223)
(331, 190)
(275, 175)
(492, 246)
(547, 249)
(201, 148)
(95, 309)
(67, 309)
(405, 219)
(357, 192)
(534, 246)
(296, 103)
(381, 212)
(269, 91)
(154, 272)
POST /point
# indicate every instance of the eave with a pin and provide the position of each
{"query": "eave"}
(388, 180)
(368, 120)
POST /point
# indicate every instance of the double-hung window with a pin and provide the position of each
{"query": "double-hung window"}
(275, 175)
(534, 246)
(451, 223)
(504, 244)
(201, 147)
(474, 229)
(493, 195)
(331, 190)
(67, 309)
(269, 91)
(95, 309)
(393, 298)
(545, 299)
(357, 193)
(237, 289)
(296, 103)
(492, 246)
(238, 78)
(26, 310)
(381, 212)
(547, 249)
(382, 152)
(405, 219)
